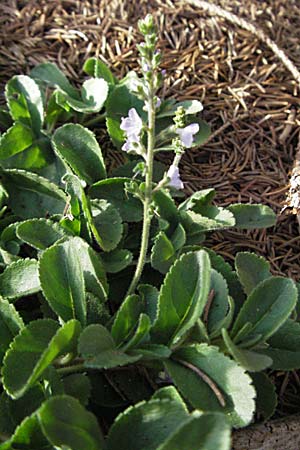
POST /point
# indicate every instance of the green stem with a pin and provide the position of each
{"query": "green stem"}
(71, 369)
(148, 195)
(94, 120)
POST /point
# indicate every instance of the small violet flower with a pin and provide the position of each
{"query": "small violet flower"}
(187, 134)
(173, 175)
(132, 126)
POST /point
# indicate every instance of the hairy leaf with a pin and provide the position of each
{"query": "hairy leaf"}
(33, 350)
(182, 297)
(252, 216)
(71, 142)
(20, 278)
(251, 270)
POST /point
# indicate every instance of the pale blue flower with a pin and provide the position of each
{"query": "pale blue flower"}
(174, 177)
(187, 134)
(132, 126)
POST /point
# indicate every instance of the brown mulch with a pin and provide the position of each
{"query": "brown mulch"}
(250, 97)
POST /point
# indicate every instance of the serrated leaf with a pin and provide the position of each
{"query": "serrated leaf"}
(267, 308)
(152, 422)
(150, 352)
(166, 208)
(20, 278)
(249, 360)
(11, 324)
(66, 423)
(182, 297)
(208, 431)
(99, 350)
(252, 216)
(31, 195)
(50, 74)
(213, 218)
(113, 190)
(162, 253)
(79, 386)
(266, 398)
(226, 377)
(251, 270)
(108, 223)
(62, 280)
(96, 68)
(70, 142)
(24, 100)
(39, 233)
(33, 350)
(116, 260)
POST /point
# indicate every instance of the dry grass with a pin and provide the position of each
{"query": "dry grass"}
(251, 99)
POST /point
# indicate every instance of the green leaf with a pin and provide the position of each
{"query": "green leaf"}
(119, 102)
(70, 142)
(50, 74)
(150, 352)
(266, 398)
(190, 107)
(24, 100)
(149, 297)
(113, 190)
(16, 139)
(34, 349)
(213, 218)
(251, 270)
(182, 297)
(18, 410)
(252, 216)
(162, 253)
(94, 67)
(78, 385)
(108, 223)
(284, 347)
(227, 382)
(94, 93)
(20, 278)
(233, 283)
(31, 195)
(11, 324)
(267, 308)
(219, 306)
(126, 319)
(249, 360)
(198, 200)
(116, 260)
(153, 422)
(39, 233)
(99, 350)
(166, 208)
(66, 423)
(27, 436)
(208, 431)
(62, 280)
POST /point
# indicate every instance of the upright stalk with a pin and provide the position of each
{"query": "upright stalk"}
(147, 216)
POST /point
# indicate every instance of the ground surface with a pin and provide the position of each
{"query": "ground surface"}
(250, 98)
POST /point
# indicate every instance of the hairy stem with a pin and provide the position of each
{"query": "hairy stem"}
(148, 193)
(71, 369)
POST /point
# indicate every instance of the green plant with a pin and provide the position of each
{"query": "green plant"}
(119, 329)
